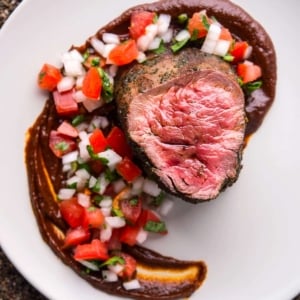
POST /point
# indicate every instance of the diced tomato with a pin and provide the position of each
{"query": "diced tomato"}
(225, 35)
(248, 71)
(93, 218)
(196, 27)
(239, 51)
(61, 144)
(48, 77)
(117, 141)
(124, 53)
(95, 250)
(67, 129)
(128, 170)
(139, 21)
(98, 141)
(92, 84)
(128, 234)
(131, 209)
(149, 215)
(72, 212)
(76, 236)
(65, 103)
(129, 266)
(114, 243)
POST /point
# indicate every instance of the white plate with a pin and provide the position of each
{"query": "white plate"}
(249, 237)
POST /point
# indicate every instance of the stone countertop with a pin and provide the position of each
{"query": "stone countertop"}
(13, 286)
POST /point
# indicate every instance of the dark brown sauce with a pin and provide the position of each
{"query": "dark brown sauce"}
(44, 169)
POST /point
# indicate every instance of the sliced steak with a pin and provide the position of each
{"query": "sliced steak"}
(185, 116)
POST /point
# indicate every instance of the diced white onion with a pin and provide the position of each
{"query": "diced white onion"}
(79, 82)
(137, 185)
(70, 157)
(103, 183)
(84, 199)
(82, 126)
(143, 42)
(119, 185)
(92, 181)
(182, 35)
(222, 47)
(95, 123)
(141, 57)
(106, 202)
(106, 211)
(248, 52)
(83, 136)
(107, 49)
(151, 30)
(141, 236)
(208, 46)
(65, 84)
(105, 233)
(131, 285)
(83, 173)
(117, 268)
(72, 180)
(167, 37)
(214, 32)
(73, 68)
(166, 206)
(109, 276)
(97, 45)
(84, 154)
(66, 168)
(89, 265)
(150, 187)
(112, 70)
(79, 96)
(104, 122)
(65, 194)
(163, 23)
(115, 222)
(113, 158)
(155, 43)
(91, 105)
(76, 55)
(110, 38)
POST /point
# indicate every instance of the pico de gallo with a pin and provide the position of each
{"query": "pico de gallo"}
(106, 200)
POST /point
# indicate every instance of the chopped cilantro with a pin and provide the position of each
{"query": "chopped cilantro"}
(107, 86)
(62, 146)
(252, 86)
(157, 201)
(113, 261)
(77, 120)
(95, 61)
(134, 201)
(161, 49)
(178, 45)
(205, 22)
(154, 226)
(97, 199)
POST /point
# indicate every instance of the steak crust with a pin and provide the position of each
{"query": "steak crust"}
(185, 116)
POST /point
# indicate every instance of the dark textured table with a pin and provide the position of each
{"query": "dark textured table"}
(12, 284)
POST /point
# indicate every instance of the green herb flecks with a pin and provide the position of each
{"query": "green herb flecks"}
(134, 201)
(228, 57)
(178, 45)
(157, 201)
(95, 156)
(161, 49)
(205, 22)
(78, 120)
(107, 86)
(97, 199)
(155, 226)
(252, 86)
(110, 175)
(62, 146)
(95, 61)
(182, 18)
(113, 261)
(117, 212)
